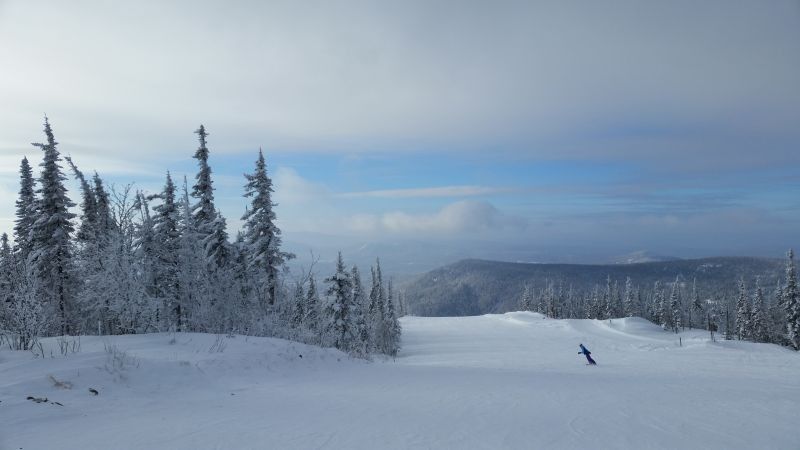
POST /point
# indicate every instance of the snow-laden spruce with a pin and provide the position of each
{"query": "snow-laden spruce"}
(26, 210)
(209, 225)
(50, 235)
(261, 235)
(742, 312)
(791, 303)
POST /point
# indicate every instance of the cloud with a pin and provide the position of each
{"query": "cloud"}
(657, 82)
(308, 206)
(675, 92)
(465, 216)
(432, 192)
(291, 188)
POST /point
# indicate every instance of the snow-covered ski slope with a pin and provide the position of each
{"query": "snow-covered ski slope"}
(490, 382)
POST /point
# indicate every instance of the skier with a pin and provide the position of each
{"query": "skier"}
(586, 352)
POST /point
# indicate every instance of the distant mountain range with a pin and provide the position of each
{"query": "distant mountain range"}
(404, 258)
(472, 287)
(642, 256)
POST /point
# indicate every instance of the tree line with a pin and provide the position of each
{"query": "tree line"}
(755, 314)
(130, 262)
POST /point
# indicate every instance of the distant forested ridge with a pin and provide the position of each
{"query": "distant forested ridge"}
(750, 298)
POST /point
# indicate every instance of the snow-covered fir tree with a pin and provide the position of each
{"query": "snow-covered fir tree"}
(629, 302)
(88, 218)
(742, 312)
(595, 307)
(658, 305)
(526, 301)
(337, 310)
(93, 260)
(218, 249)
(696, 306)
(791, 302)
(675, 311)
(51, 254)
(193, 269)
(26, 210)
(556, 301)
(358, 312)
(5, 249)
(730, 328)
(7, 262)
(104, 220)
(167, 242)
(261, 234)
(639, 307)
(204, 211)
(311, 320)
(402, 306)
(550, 300)
(209, 225)
(758, 324)
(777, 316)
(143, 241)
(606, 309)
(298, 312)
(711, 320)
(24, 317)
(377, 298)
(390, 339)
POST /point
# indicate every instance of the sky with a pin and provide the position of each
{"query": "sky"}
(579, 128)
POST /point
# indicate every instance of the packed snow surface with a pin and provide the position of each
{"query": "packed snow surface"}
(489, 382)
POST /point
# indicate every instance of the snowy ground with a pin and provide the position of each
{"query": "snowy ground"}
(488, 382)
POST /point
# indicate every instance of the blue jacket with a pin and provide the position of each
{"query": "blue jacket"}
(584, 350)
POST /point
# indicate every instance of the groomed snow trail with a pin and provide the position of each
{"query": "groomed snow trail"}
(489, 382)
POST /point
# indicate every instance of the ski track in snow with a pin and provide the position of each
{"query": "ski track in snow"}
(510, 381)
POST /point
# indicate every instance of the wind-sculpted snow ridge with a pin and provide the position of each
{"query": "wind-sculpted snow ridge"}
(504, 381)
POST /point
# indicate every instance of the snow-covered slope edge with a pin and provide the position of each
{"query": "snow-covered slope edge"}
(513, 380)
(151, 389)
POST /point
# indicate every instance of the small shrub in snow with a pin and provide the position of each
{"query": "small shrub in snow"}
(69, 344)
(37, 349)
(219, 344)
(118, 361)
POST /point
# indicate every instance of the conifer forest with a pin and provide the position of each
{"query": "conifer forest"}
(131, 262)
